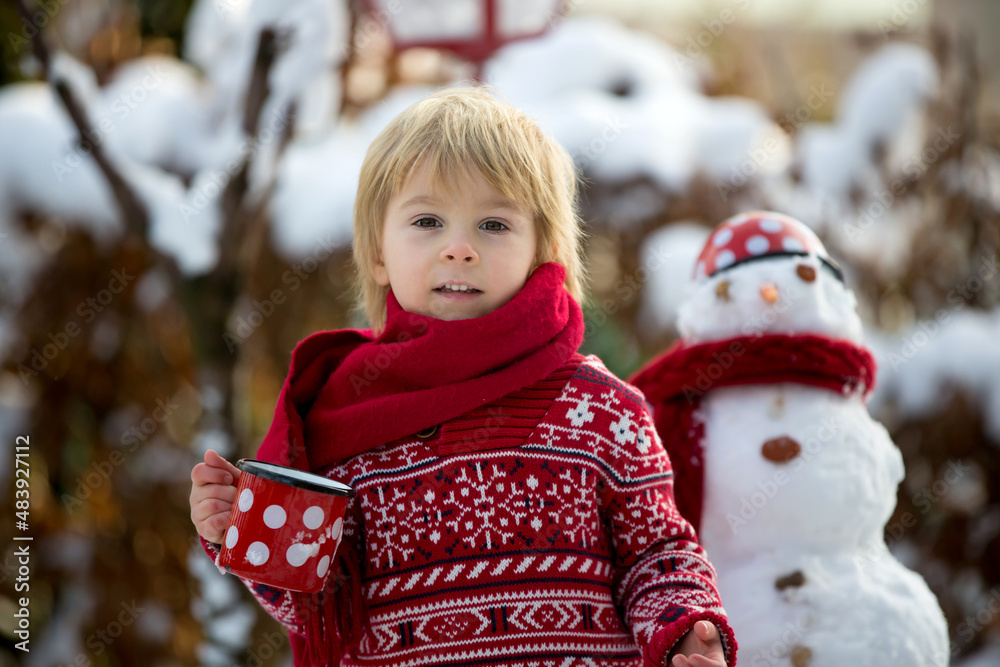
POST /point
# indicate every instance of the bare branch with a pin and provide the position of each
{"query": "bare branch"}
(133, 212)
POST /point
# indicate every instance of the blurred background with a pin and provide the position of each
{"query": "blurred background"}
(176, 183)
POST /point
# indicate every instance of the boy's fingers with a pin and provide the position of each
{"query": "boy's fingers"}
(219, 523)
(706, 631)
(201, 492)
(206, 474)
(209, 507)
(213, 459)
(202, 506)
(701, 661)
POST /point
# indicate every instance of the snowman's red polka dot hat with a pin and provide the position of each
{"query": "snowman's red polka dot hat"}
(757, 235)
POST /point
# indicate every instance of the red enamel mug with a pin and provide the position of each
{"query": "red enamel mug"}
(285, 526)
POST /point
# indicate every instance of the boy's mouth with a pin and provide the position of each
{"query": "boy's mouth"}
(456, 288)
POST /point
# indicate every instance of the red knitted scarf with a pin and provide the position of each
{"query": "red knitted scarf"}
(348, 391)
(675, 381)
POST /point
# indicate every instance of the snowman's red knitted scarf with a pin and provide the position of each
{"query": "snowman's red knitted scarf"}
(348, 392)
(675, 382)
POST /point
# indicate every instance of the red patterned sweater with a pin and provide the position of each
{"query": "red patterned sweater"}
(539, 529)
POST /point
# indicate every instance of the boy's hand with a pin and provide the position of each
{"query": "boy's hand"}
(213, 491)
(700, 647)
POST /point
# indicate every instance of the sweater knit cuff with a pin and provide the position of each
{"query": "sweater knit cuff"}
(663, 641)
(212, 549)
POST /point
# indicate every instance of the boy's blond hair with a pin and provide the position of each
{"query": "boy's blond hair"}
(451, 131)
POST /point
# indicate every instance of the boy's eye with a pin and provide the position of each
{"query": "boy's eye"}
(493, 226)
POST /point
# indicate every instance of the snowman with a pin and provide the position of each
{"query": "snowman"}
(778, 465)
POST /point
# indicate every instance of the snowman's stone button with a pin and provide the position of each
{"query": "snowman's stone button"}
(776, 407)
(246, 500)
(780, 450)
(258, 553)
(313, 517)
(274, 516)
(793, 580)
(806, 272)
(232, 536)
(801, 656)
(722, 290)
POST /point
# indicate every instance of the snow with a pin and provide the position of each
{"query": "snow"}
(590, 53)
(60, 640)
(318, 178)
(824, 306)
(668, 254)
(216, 439)
(821, 514)
(798, 545)
(158, 117)
(312, 42)
(848, 464)
(879, 102)
(55, 177)
(860, 206)
(227, 619)
(317, 182)
(620, 104)
(51, 174)
(920, 368)
(157, 111)
(152, 290)
(885, 90)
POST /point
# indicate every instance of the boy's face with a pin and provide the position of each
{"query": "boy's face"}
(467, 234)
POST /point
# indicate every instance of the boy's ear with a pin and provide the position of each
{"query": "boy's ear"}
(380, 275)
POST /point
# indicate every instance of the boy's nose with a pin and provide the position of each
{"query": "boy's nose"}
(459, 249)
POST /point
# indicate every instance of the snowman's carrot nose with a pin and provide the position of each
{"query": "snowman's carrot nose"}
(769, 292)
